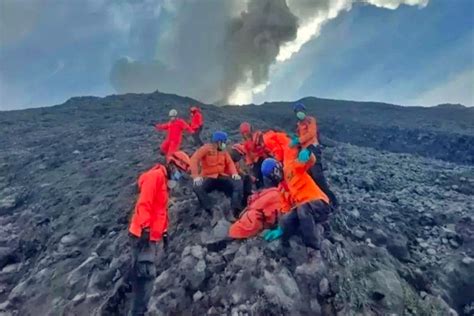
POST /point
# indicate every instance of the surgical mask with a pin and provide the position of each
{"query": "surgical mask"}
(176, 175)
(300, 115)
(222, 146)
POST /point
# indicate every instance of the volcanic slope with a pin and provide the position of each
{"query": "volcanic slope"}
(402, 240)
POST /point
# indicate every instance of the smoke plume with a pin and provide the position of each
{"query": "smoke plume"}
(223, 51)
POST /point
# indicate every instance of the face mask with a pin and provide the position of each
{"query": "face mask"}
(172, 184)
(221, 146)
(300, 115)
(176, 175)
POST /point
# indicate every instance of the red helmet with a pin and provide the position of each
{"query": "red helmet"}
(245, 128)
(180, 159)
(239, 148)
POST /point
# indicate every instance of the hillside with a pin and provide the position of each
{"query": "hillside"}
(403, 242)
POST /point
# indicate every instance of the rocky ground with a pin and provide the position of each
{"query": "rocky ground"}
(403, 239)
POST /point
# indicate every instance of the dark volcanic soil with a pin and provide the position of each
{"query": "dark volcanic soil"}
(403, 239)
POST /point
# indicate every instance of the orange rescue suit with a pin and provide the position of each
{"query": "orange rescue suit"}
(276, 143)
(301, 187)
(307, 131)
(151, 208)
(254, 148)
(209, 162)
(174, 136)
(261, 213)
(196, 120)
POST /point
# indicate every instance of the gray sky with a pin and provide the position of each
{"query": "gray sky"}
(409, 52)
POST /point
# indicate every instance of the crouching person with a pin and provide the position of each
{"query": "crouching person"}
(310, 205)
(212, 169)
(149, 225)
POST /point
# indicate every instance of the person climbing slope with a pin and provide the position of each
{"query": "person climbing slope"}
(196, 124)
(255, 151)
(212, 169)
(149, 224)
(308, 138)
(310, 205)
(174, 127)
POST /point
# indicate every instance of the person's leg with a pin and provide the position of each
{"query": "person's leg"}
(197, 137)
(144, 254)
(174, 146)
(202, 192)
(316, 172)
(309, 215)
(289, 224)
(233, 189)
(247, 189)
(164, 147)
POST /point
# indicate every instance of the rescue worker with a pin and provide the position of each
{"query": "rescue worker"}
(308, 138)
(196, 124)
(255, 151)
(275, 143)
(310, 205)
(149, 224)
(237, 153)
(174, 127)
(261, 213)
(212, 169)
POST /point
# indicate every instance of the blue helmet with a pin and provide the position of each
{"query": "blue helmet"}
(219, 136)
(299, 107)
(268, 165)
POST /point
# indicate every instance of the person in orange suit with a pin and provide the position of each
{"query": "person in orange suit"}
(261, 213)
(174, 128)
(237, 153)
(212, 169)
(149, 224)
(196, 124)
(276, 143)
(255, 151)
(308, 138)
(309, 204)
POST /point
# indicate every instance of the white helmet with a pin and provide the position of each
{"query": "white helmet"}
(173, 113)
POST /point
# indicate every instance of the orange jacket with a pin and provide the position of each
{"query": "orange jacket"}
(175, 129)
(196, 120)
(261, 213)
(254, 148)
(209, 162)
(301, 186)
(307, 130)
(275, 143)
(151, 208)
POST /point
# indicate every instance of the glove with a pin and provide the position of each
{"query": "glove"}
(236, 177)
(198, 181)
(304, 155)
(295, 141)
(165, 241)
(273, 234)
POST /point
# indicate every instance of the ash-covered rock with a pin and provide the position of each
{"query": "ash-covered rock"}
(402, 240)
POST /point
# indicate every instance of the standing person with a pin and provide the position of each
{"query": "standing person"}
(149, 225)
(196, 124)
(212, 169)
(255, 151)
(309, 203)
(308, 138)
(174, 127)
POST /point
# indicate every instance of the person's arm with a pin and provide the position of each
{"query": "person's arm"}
(144, 205)
(162, 127)
(186, 126)
(230, 166)
(196, 159)
(161, 216)
(310, 133)
(305, 166)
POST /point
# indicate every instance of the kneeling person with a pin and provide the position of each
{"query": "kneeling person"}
(309, 203)
(212, 169)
